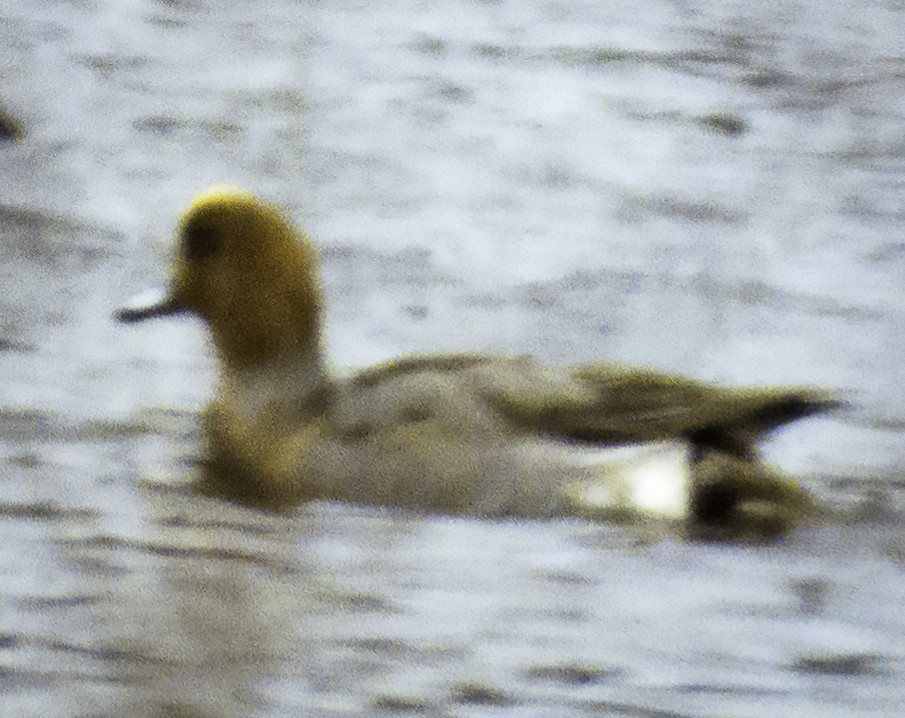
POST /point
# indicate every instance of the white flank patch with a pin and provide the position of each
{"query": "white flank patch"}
(652, 480)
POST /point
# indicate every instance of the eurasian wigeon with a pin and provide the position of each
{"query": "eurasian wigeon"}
(468, 434)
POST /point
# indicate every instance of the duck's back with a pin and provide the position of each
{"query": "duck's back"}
(424, 433)
(437, 434)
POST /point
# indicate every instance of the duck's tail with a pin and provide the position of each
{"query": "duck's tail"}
(750, 415)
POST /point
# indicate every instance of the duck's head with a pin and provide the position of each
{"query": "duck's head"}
(248, 273)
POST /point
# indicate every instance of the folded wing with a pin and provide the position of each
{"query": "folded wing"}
(609, 404)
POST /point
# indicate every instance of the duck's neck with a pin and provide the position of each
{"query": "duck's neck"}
(289, 387)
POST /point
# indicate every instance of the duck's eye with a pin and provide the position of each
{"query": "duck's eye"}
(200, 241)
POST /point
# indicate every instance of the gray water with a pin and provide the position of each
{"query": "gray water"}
(711, 188)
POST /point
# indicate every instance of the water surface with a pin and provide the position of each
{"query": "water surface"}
(711, 188)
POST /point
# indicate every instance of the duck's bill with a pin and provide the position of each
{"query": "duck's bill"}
(152, 303)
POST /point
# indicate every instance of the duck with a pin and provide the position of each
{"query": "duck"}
(490, 436)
